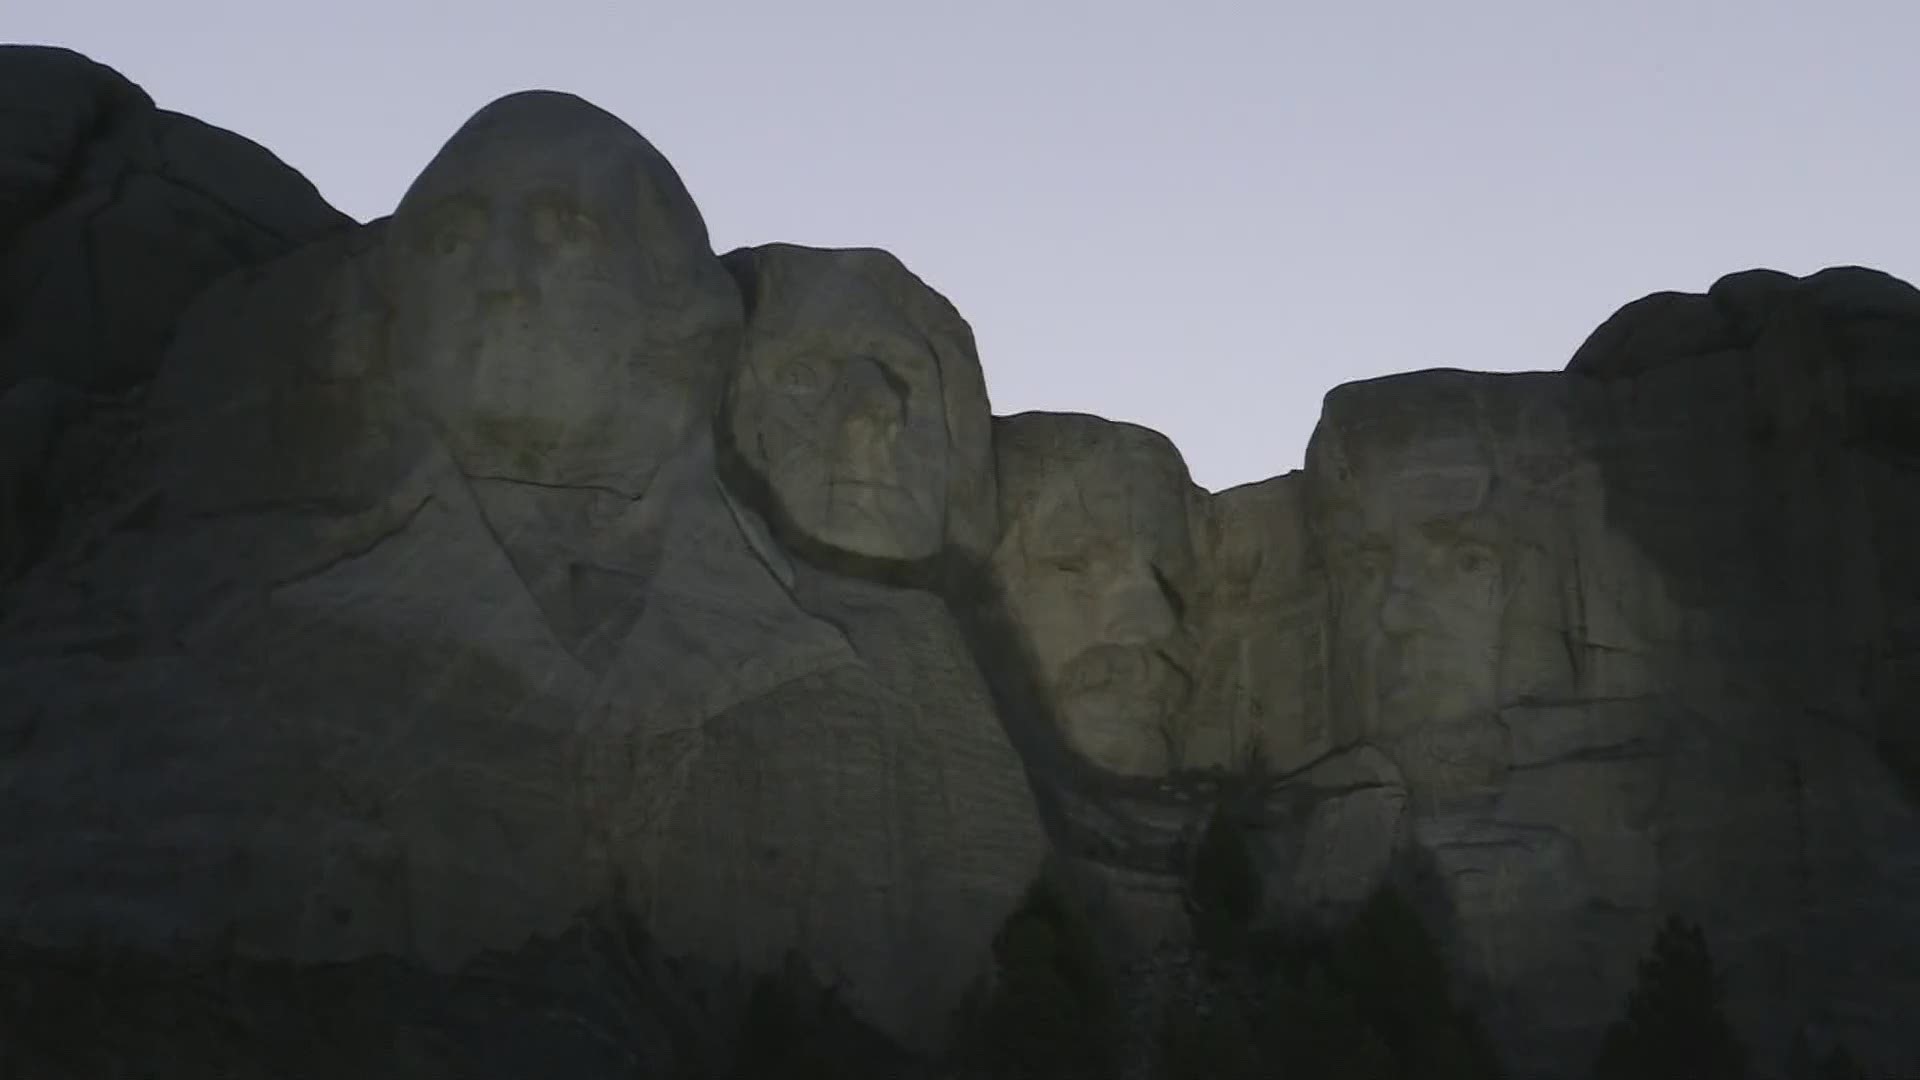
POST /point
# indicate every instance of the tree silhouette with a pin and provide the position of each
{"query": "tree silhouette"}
(1674, 1025)
(1050, 1011)
(1223, 888)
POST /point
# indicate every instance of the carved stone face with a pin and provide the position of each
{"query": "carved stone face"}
(1415, 559)
(1096, 566)
(854, 442)
(861, 403)
(1424, 574)
(557, 310)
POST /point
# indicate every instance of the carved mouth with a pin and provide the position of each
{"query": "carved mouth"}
(1143, 673)
(871, 500)
(840, 484)
(1412, 695)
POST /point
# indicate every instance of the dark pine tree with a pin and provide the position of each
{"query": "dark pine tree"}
(1674, 1025)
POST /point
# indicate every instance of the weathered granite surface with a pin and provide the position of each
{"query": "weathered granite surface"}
(114, 215)
(406, 593)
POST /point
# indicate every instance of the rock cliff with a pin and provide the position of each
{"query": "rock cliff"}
(515, 604)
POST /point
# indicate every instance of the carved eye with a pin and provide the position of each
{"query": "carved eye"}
(1369, 561)
(450, 228)
(567, 225)
(1473, 560)
(799, 377)
(1068, 564)
(561, 223)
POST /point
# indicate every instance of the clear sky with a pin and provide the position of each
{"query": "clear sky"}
(1198, 215)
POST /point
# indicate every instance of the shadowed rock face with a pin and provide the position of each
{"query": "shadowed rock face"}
(1096, 564)
(1767, 486)
(1628, 637)
(1480, 635)
(776, 754)
(1260, 697)
(860, 404)
(453, 575)
(114, 215)
(557, 309)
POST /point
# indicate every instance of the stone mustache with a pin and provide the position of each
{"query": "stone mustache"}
(518, 550)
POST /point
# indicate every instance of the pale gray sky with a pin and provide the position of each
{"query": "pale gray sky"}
(1197, 216)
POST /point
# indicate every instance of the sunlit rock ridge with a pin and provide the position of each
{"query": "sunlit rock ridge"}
(452, 591)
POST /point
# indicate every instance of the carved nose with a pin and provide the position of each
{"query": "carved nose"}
(872, 395)
(500, 268)
(1400, 607)
(1137, 611)
(493, 301)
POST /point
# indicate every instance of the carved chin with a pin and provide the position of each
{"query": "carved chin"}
(1114, 704)
(1411, 697)
(1115, 731)
(874, 519)
(864, 511)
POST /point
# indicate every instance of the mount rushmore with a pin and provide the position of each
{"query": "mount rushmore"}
(408, 589)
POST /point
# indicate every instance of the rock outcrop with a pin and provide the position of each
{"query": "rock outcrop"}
(114, 216)
(512, 608)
